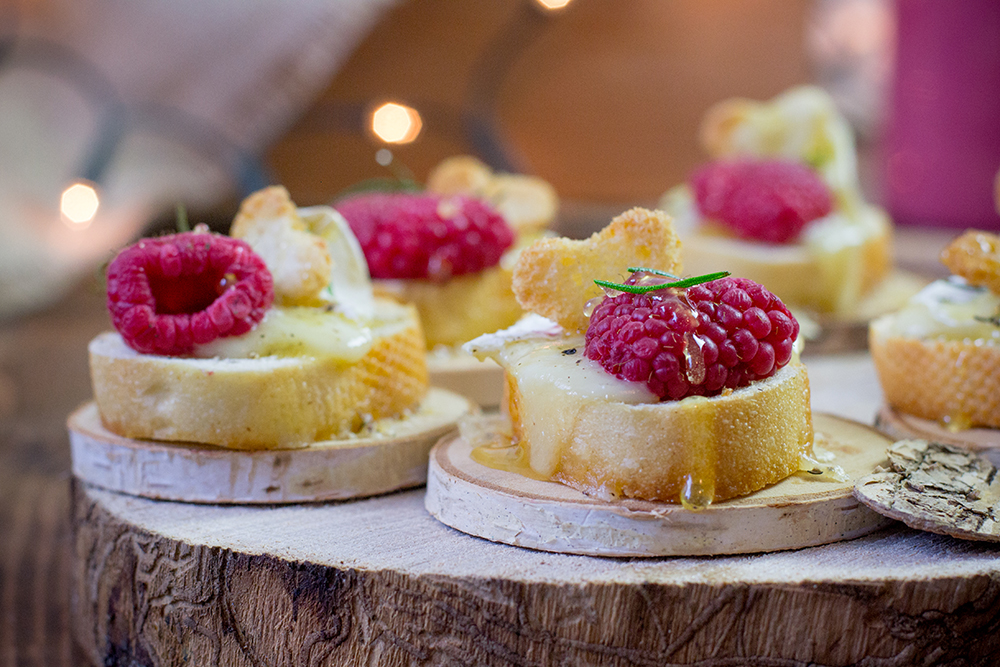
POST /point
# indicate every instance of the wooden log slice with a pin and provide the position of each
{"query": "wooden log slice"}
(479, 381)
(393, 456)
(801, 510)
(900, 426)
(380, 582)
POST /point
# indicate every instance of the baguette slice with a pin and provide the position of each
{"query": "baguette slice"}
(609, 438)
(953, 381)
(271, 402)
(461, 308)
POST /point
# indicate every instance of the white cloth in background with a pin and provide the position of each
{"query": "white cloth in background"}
(203, 84)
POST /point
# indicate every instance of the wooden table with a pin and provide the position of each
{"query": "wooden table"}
(43, 376)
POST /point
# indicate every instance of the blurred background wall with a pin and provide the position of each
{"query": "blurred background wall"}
(189, 102)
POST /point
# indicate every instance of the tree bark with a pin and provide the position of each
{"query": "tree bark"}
(379, 582)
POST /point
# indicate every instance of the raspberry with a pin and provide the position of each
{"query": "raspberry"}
(434, 237)
(692, 342)
(169, 293)
(767, 201)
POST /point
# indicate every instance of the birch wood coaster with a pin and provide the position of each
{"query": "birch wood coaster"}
(393, 457)
(802, 510)
(938, 488)
(901, 426)
(378, 581)
(479, 381)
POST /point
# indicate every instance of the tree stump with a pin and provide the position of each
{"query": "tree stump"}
(379, 581)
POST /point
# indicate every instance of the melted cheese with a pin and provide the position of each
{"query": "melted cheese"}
(951, 310)
(304, 331)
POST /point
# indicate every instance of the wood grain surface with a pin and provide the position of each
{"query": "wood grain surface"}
(379, 581)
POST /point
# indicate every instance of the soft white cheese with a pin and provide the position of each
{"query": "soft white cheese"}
(950, 309)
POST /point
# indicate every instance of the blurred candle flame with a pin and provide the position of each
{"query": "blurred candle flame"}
(78, 205)
(396, 123)
(553, 4)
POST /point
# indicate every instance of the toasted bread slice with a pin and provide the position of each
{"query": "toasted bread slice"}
(269, 402)
(953, 381)
(461, 308)
(598, 434)
(554, 277)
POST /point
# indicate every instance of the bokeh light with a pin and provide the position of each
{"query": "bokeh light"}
(396, 123)
(78, 205)
(553, 4)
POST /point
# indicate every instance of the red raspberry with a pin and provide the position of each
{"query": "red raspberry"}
(407, 235)
(695, 341)
(767, 201)
(169, 293)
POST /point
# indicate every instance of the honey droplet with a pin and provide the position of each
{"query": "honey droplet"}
(957, 423)
(643, 278)
(591, 305)
(696, 494)
(694, 358)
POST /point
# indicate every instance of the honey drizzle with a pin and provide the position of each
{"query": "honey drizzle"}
(494, 446)
(698, 484)
(956, 423)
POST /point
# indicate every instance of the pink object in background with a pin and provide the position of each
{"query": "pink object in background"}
(942, 144)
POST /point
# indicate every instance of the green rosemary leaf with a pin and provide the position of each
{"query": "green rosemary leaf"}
(380, 184)
(182, 219)
(679, 284)
(635, 269)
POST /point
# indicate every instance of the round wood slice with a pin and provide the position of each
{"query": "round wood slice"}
(378, 581)
(937, 487)
(394, 459)
(479, 381)
(900, 426)
(802, 510)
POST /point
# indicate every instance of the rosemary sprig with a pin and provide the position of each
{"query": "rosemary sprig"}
(679, 284)
(182, 219)
(634, 269)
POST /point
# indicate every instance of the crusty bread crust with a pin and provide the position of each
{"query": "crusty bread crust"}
(741, 442)
(264, 403)
(461, 308)
(554, 277)
(956, 382)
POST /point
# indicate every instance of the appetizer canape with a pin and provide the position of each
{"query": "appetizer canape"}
(780, 203)
(938, 358)
(655, 387)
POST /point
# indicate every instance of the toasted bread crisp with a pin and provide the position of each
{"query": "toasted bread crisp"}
(528, 203)
(554, 277)
(298, 260)
(975, 255)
